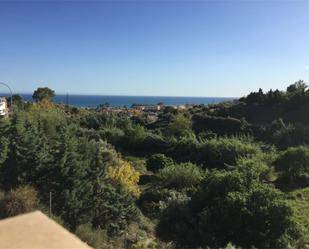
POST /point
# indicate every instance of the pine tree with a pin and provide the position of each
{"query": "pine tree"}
(68, 178)
(97, 156)
(22, 160)
(4, 141)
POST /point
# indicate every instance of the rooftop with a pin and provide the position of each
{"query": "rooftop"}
(36, 231)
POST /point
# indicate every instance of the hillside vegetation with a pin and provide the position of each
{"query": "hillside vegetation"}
(230, 175)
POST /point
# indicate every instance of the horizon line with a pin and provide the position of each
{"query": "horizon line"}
(123, 95)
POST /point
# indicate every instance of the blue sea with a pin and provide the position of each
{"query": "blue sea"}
(120, 101)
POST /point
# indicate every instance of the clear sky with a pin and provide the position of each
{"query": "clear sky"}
(173, 48)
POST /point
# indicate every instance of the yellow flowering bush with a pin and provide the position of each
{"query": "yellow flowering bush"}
(45, 104)
(125, 175)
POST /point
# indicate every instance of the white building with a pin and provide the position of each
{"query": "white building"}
(152, 108)
(146, 108)
(4, 111)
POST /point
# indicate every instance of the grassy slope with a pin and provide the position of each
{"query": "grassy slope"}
(299, 200)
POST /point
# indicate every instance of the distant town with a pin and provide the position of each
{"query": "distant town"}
(150, 111)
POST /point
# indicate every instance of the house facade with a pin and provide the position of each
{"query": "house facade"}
(4, 111)
(146, 108)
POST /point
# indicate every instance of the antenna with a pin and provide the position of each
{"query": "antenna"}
(50, 204)
(67, 99)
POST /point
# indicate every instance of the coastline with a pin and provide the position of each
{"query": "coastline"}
(92, 101)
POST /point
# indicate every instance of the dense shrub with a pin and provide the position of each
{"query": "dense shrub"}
(135, 140)
(289, 135)
(112, 209)
(254, 168)
(153, 201)
(153, 143)
(294, 166)
(179, 176)
(113, 135)
(228, 208)
(97, 238)
(180, 126)
(138, 163)
(217, 153)
(18, 201)
(157, 162)
(219, 125)
(184, 149)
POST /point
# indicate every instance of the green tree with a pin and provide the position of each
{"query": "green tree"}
(43, 93)
(112, 208)
(105, 206)
(299, 87)
(255, 97)
(22, 157)
(68, 178)
(18, 100)
(4, 141)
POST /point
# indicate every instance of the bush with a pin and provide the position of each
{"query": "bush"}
(294, 166)
(254, 168)
(157, 162)
(228, 208)
(112, 209)
(185, 148)
(179, 176)
(96, 238)
(126, 176)
(218, 153)
(18, 201)
(284, 136)
(176, 224)
(153, 201)
(145, 244)
(180, 126)
(219, 125)
(138, 163)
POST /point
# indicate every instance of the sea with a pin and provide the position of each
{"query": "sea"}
(90, 101)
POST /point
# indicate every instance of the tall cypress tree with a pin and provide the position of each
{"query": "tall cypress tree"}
(108, 207)
(22, 160)
(68, 177)
(4, 141)
(96, 156)
(4, 147)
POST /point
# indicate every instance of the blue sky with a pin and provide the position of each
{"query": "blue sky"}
(170, 48)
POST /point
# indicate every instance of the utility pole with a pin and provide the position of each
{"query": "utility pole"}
(50, 204)
(67, 100)
(125, 237)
